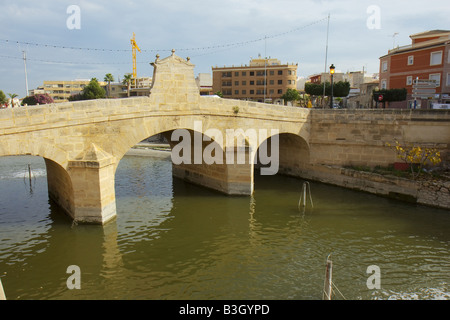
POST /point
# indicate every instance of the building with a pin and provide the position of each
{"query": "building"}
(204, 83)
(264, 79)
(426, 58)
(138, 87)
(325, 77)
(60, 91)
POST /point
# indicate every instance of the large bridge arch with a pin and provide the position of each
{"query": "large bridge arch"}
(293, 153)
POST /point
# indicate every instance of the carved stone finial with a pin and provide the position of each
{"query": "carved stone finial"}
(173, 51)
(188, 59)
(157, 57)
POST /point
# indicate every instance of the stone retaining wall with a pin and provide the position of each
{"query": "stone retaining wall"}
(430, 193)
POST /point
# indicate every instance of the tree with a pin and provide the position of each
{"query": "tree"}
(37, 99)
(2, 97)
(127, 80)
(93, 90)
(315, 89)
(291, 95)
(390, 95)
(109, 78)
(417, 157)
(340, 89)
(219, 93)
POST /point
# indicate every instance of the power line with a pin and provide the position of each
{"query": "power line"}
(236, 44)
(64, 62)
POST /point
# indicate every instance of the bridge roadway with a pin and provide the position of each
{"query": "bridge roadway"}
(82, 142)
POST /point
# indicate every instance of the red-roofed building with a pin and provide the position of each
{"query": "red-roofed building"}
(426, 58)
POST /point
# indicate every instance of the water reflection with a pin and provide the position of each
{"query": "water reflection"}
(173, 240)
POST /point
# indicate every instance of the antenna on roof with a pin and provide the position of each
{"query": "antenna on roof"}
(393, 41)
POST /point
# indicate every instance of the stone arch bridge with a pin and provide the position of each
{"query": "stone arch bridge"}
(82, 142)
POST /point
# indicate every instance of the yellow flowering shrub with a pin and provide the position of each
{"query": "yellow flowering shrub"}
(417, 157)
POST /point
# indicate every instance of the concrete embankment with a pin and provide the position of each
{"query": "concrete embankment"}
(434, 193)
(150, 150)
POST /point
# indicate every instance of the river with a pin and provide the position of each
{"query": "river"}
(173, 240)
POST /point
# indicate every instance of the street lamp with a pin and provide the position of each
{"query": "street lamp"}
(331, 73)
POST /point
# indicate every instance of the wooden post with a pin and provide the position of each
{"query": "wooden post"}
(2, 293)
(328, 279)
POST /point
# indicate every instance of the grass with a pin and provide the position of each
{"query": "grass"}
(390, 170)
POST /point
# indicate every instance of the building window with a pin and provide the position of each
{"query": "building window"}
(236, 74)
(244, 91)
(383, 84)
(252, 83)
(436, 58)
(448, 79)
(409, 81)
(226, 83)
(236, 91)
(384, 66)
(244, 83)
(260, 73)
(280, 72)
(252, 73)
(252, 91)
(280, 91)
(271, 81)
(271, 91)
(226, 74)
(436, 77)
(236, 83)
(280, 81)
(244, 73)
(272, 72)
(410, 60)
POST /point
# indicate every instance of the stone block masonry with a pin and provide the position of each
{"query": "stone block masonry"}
(83, 142)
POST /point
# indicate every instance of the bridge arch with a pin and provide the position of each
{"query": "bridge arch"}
(293, 153)
(59, 181)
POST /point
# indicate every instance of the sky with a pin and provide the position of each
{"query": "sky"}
(80, 39)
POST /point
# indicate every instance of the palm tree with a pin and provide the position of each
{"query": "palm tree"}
(12, 96)
(109, 78)
(127, 80)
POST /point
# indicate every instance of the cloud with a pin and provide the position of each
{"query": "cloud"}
(296, 32)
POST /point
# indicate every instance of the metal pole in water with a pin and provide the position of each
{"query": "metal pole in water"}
(328, 279)
(306, 187)
(29, 173)
(2, 292)
(304, 194)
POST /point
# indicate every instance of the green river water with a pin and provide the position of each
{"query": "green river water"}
(173, 240)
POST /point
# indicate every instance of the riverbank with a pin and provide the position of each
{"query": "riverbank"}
(425, 191)
(147, 149)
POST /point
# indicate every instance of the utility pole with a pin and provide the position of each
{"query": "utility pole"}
(26, 77)
(326, 58)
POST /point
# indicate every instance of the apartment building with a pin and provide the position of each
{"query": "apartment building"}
(60, 91)
(264, 79)
(204, 83)
(426, 58)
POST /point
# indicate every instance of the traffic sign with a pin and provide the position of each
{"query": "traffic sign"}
(380, 97)
(424, 89)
